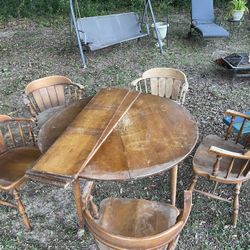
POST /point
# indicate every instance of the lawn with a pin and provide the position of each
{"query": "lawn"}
(30, 50)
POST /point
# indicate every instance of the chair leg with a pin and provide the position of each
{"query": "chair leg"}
(236, 204)
(172, 245)
(173, 181)
(191, 188)
(21, 210)
(215, 186)
(78, 200)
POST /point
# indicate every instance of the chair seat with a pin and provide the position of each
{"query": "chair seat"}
(204, 160)
(210, 30)
(136, 217)
(14, 163)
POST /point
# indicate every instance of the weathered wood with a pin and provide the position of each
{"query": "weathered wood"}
(216, 165)
(135, 135)
(212, 195)
(222, 161)
(173, 181)
(123, 223)
(236, 204)
(18, 155)
(21, 210)
(78, 200)
(239, 134)
(165, 82)
(146, 125)
(123, 108)
(55, 125)
(49, 92)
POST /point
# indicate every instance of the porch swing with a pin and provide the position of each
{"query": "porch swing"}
(97, 32)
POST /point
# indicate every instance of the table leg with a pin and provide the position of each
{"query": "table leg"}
(173, 181)
(78, 200)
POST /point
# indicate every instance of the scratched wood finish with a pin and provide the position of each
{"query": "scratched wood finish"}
(55, 126)
(51, 91)
(164, 82)
(136, 224)
(155, 135)
(18, 154)
(222, 161)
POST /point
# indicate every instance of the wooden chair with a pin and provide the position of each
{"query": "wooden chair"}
(135, 223)
(165, 82)
(17, 154)
(223, 161)
(47, 95)
(240, 122)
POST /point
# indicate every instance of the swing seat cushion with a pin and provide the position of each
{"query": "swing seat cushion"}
(210, 30)
(102, 31)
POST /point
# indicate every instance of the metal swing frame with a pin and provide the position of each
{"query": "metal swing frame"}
(98, 32)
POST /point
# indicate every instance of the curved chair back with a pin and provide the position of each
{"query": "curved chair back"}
(15, 132)
(159, 241)
(165, 82)
(50, 91)
(202, 11)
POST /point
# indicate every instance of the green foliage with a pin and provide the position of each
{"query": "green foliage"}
(45, 8)
(31, 8)
(238, 5)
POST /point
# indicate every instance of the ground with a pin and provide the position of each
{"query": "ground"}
(30, 50)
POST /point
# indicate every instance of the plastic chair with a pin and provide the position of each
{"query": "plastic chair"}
(17, 154)
(164, 82)
(135, 223)
(48, 95)
(203, 20)
(223, 161)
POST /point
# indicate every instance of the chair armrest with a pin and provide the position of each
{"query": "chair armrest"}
(134, 83)
(80, 86)
(226, 153)
(236, 113)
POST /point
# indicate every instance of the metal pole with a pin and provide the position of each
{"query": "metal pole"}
(84, 60)
(156, 30)
(145, 15)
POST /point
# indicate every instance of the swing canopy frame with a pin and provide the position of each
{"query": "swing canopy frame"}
(97, 32)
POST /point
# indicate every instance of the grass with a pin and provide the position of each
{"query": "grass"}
(29, 51)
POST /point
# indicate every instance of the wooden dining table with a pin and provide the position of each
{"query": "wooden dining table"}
(117, 135)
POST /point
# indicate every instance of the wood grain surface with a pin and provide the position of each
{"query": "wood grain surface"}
(153, 136)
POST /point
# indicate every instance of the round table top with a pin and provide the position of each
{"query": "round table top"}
(153, 136)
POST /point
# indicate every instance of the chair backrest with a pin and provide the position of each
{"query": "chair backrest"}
(15, 132)
(202, 11)
(50, 91)
(245, 122)
(165, 82)
(151, 242)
